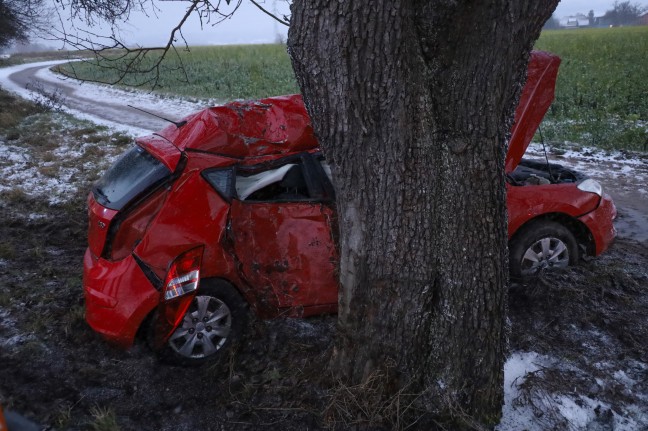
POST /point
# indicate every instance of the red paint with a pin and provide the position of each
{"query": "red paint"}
(279, 253)
(118, 297)
(99, 219)
(286, 251)
(161, 149)
(278, 125)
(536, 97)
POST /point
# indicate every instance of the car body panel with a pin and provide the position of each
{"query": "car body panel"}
(599, 222)
(537, 95)
(279, 125)
(279, 254)
(528, 202)
(192, 203)
(118, 297)
(286, 251)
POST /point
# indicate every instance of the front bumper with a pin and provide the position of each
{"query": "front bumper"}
(118, 297)
(600, 224)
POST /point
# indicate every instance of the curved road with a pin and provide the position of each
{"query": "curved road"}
(102, 104)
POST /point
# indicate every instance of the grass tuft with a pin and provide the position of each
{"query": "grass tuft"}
(104, 419)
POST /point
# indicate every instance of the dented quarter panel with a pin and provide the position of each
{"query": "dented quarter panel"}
(194, 214)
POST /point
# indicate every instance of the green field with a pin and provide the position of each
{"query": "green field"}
(601, 95)
(602, 89)
(217, 72)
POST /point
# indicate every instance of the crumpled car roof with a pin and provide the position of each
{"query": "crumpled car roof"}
(276, 125)
(281, 125)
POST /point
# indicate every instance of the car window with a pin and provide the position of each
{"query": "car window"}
(285, 183)
(133, 173)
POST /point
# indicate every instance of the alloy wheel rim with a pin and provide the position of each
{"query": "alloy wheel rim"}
(546, 253)
(204, 329)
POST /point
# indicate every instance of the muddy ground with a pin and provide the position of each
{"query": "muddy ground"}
(591, 320)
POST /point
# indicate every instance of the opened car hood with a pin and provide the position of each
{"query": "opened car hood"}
(537, 95)
(280, 125)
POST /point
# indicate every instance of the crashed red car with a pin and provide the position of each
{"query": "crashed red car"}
(234, 206)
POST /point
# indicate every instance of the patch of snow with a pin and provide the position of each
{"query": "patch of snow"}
(517, 416)
(82, 102)
(538, 410)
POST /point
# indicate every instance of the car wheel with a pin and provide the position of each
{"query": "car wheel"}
(215, 319)
(541, 246)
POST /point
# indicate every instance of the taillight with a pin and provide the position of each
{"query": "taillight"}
(184, 274)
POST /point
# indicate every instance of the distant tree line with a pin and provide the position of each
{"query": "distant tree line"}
(622, 14)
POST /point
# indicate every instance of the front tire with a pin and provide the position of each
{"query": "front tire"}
(540, 246)
(216, 318)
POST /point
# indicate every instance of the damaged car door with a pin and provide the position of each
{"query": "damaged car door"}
(280, 223)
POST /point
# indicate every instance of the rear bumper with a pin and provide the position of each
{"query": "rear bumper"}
(600, 224)
(118, 297)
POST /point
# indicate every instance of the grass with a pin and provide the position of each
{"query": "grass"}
(104, 419)
(601, 94)
(218, 72)
(602, 90)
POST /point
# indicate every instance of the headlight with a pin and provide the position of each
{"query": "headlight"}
(591, 186)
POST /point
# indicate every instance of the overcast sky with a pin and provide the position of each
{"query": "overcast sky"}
(250, 25)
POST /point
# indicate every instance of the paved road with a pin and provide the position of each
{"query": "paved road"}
(108, 105)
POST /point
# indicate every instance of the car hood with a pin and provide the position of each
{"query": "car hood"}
(536, 97)
(280, 125)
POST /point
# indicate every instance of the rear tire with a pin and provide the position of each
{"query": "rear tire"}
(540, 246)
(215, 320)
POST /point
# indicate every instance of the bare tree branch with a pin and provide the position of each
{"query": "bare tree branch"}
(141, 66)
(285, 21)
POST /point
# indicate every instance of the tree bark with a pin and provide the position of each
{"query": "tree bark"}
(412, 102)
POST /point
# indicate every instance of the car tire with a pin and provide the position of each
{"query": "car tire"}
(541, 245)
(214, 322)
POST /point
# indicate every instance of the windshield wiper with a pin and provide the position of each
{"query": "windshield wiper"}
(98, 191)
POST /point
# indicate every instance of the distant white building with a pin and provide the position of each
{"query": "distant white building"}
(575, 21)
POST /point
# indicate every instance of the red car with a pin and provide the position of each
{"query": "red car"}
(233, 207)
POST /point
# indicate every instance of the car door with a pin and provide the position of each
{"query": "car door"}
(281, 222)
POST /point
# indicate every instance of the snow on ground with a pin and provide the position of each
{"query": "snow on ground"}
(524, 409)
(102, 104)
(53, 174)
(607, 166)
(531, 409)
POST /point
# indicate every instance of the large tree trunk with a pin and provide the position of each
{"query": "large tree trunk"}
(412, 103)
